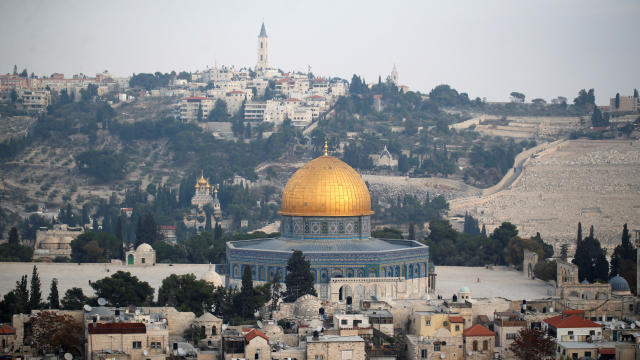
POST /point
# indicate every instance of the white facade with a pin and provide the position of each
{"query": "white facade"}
(263, 50)
(191, 106)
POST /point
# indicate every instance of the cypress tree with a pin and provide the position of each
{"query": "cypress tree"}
(35, 298)
(299, 279)
(14, 237)
(484, 231)
(54, 297)
(412, 231)
(579, 232)
(22, 294)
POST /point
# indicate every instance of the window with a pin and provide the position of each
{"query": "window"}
(574, 356)
(156, 345)
(592, 332)
(143, 260)
(347, 354)
(137, 345)
(630, 307)
(570, 333)
(511, 336)
(423, 353)
(428, 322)
(445, 323)
(319, 357)
(475, 345)
(457, 327)
(343, 322)
(485, 345)
(436, 347)
(587, 354)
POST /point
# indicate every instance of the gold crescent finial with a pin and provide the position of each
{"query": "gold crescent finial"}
(326, 147)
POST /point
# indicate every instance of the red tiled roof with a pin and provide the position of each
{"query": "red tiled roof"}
(117, 328)
(5, 329)
(456, 319)
(607, 351)
(235, 92)
(572, 321)
(253, 333)
(166, 227)
(478, 330)
(293, 99)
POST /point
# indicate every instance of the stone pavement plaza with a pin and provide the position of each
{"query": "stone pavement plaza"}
(500, 282)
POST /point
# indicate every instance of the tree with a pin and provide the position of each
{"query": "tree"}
(147, 231)
(122, 289)
(275, 289)
(387, 233)
(532, 344)
(564, 252)
(517, 97)
(93, 247)
(14, 237)
(35, 295)
(22, 293)
(597, 120)
(248, 300)
(591, 259)
(54, 300)
(299, 279)
(412, 232)
(186, 293)
(120, 237)
(15, 69)
(579, 238)
(219, 112)
(623, 259)
(635, 93)
(199, 116)
(53, 332)
(74, 299)
(24, 73)
(617, 100)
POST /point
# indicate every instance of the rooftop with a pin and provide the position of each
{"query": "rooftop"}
(334, 338)
(478, 330)
(325, 245)
(572, 321)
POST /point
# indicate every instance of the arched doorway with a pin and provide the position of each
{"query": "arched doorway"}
(345, 294)
(130, 259)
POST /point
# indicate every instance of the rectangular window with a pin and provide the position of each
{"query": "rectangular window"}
(137, 345)
(428, 322)
(587, 354)
(436, 347)
(343, 322)
(592, 332)
(423, 353)
(347, 354)
(570, 332)
(457, 327)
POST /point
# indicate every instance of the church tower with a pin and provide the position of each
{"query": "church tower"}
(394, 75)
(263, 50)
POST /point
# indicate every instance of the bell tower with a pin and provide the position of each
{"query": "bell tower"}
(263, 50)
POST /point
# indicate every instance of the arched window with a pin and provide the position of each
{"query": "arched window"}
(475, 345)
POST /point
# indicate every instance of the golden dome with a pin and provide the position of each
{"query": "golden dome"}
(326, 186)
(202, 182)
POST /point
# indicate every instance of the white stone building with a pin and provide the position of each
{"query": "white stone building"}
(144, 255)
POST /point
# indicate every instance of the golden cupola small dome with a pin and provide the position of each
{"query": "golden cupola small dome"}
(202, 182)
(326, 186)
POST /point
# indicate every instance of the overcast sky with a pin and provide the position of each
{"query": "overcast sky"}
(485, 48)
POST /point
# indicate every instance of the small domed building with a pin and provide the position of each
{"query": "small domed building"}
(619, 286)
(326, 214)
(144, 255)
(212, 277)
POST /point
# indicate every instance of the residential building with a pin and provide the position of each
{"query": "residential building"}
(627, 104)
(479, 343)
(136, 340)
(34, 100)
(254, 110)
(426, 323)
(195, 108)
(442, 345)
(333, 347)
(573, 327)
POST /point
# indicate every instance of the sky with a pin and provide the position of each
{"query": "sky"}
(488, 48)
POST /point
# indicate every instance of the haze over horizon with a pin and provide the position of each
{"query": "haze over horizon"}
(487, 49)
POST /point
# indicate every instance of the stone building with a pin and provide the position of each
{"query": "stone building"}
(479, 343)
(333, 347)
(326, 214)
(263, 50)
(139, 341)
(7, 339)
(144, 255)
(441, 345)
(56, 242)
(211, 327)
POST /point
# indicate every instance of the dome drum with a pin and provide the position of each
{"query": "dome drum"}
(315, 227)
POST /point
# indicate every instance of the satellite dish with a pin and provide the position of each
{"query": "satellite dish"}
(442, 356)
(260, 326)
(68, 356)
(145, 353)
(137, 311)
(87, 307)
(102, 302)
(470, 353)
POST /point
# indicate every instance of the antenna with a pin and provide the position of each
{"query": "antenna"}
(102, 301)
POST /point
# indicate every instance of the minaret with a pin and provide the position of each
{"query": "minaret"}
(394, 75)
(263, 50)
